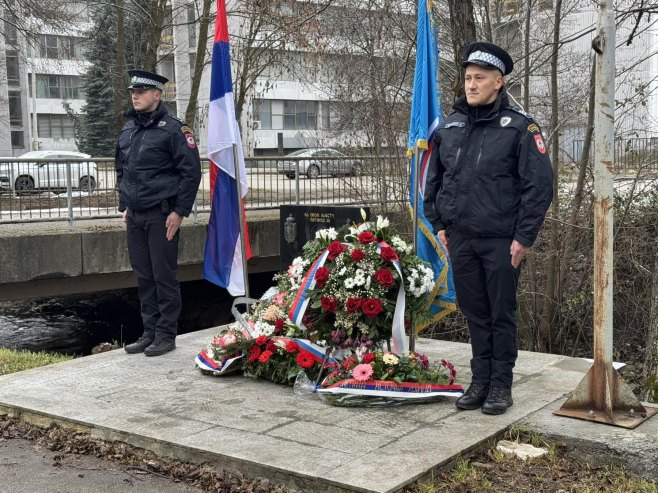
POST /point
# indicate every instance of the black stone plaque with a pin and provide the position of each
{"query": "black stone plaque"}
(299, 223)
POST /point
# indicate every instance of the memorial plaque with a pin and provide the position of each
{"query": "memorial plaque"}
(299, 223)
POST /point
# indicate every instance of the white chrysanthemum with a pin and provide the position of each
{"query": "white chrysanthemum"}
(349, 283)
(359, 280)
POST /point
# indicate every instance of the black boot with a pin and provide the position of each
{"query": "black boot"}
(160, 347)
(139, 345)
(473, 397)
(498, 400)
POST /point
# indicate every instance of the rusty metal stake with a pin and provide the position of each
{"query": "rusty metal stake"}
(603, 396)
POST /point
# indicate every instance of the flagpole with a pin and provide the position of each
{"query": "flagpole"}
(416, 169)
(243, 250)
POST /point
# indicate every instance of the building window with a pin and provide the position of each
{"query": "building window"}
(57, 47)
(13, 72)
(57, 86)
(15, 108)
(263, 113)
(11, 33)
(286, 115)
(17, 139)
(55, 126)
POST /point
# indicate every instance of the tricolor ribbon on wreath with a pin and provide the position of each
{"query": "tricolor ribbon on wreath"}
(301, 301)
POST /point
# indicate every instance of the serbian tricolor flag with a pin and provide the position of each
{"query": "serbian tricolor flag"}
(424, 121)
(223, 262)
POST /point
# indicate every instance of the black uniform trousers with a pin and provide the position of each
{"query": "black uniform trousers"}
(485, 284)
(154, 262)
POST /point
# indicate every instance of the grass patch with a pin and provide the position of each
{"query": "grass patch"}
(491, 471)
(12, 361)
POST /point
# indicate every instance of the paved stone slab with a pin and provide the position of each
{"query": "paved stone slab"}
(165, 405)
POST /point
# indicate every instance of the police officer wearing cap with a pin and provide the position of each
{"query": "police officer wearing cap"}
(158, 173)
(489, 185)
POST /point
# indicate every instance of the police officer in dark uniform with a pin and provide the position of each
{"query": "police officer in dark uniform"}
(158, 173)
(488, 187)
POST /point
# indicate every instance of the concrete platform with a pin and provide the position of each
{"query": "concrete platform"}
(261, 429)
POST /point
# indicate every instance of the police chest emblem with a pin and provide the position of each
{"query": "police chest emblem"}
(504, 121)
(162, 123)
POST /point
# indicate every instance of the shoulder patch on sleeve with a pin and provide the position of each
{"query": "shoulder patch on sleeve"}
(533, 128)
(189, 137)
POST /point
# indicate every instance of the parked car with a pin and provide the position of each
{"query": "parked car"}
(319, 162)
(24, 177)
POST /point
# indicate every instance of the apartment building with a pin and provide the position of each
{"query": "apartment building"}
(40, 74)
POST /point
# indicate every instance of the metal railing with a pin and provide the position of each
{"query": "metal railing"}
(631, 154)
(73, 189)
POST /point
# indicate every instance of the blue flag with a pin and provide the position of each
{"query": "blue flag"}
(424, 121)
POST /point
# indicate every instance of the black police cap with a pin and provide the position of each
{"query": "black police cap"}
(141, 79)
(488, 55)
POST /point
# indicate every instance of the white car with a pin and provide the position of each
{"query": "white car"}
(24, 177)
(319, 162)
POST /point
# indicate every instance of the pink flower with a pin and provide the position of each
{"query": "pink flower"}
(362, 372)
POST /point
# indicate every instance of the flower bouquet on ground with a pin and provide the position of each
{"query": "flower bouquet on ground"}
(224, 353)
(352, 292)
(383, 378)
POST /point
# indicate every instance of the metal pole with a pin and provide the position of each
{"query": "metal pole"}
(238, 184)
(416, 185)
(297, 182)
(604, 125)
(69, 194)
(602, 396)
(35, 127)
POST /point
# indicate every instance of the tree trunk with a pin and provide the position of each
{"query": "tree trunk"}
(200, 61)
(462, 24)
(527, 309)
(651, 355)
(120, 78)
(157, 12)
(550, 295)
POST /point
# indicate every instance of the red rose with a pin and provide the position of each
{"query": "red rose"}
(260, 340)
(371, 307)
(385, 278)
(368, 358)
(305, 359)
(366, 237)
(357, 255)
(388, 254)
(321, 276)
(279, 324)
(352, 304)
(292, 346)
(329, 303)
(271, 347)
(265, 356)
(335, 249)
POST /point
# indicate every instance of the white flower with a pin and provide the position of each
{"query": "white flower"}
(349, 283)
(342, 271)
(296, 269)
(390, 359)
(382, 222)
(326, 234)
(263, 329)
